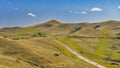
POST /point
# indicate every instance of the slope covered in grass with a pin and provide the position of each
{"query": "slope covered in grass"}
(34, 46)
(102, 50)
(37, 52)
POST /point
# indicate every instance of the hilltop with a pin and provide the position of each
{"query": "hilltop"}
(54, 27)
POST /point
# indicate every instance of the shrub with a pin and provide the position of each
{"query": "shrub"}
(76, 29)
(39, 34)
(118, 35)
(97, 26)
(56, 55)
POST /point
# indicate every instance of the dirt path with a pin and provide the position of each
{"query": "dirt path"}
(80, 56)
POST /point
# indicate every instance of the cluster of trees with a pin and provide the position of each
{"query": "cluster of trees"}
(39, 34)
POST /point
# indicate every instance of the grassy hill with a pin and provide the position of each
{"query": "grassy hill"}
(79, 29)
(36, 53)
(34, 46)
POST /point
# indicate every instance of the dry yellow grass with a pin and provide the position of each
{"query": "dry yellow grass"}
(35, 52)
(44, 52)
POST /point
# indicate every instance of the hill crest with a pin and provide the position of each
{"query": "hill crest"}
(54, 22)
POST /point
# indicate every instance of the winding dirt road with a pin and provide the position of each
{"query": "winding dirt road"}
(80, 56)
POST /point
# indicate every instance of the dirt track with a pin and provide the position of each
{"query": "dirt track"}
(80, 56)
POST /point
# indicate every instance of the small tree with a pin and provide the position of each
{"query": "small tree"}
(40, 34)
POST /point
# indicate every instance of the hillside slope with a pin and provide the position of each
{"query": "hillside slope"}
(34, 47)
(80, 29)
(36, 53)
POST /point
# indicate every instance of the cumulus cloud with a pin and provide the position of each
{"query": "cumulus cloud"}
(83, 12)
(96, 9)
(119, 6)
(31, 14)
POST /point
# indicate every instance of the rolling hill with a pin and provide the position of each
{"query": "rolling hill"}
(34, 46)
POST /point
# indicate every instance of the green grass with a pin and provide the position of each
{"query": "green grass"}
(26, 33)
(33, 49)
(66, 52)
(97, 55)
(101, 46)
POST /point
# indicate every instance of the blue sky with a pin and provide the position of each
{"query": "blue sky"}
(28, 12)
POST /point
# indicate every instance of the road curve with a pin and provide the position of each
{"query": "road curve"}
(80, 56)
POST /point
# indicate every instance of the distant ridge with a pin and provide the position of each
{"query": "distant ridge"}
(111, 22)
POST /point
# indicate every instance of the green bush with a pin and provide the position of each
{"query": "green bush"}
(39, 34)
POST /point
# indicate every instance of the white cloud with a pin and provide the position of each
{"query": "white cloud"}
(96, 9)
(119, 6)
(16, 8)
(83, 12)
(76, 12)
(71, 11)
(31, 14)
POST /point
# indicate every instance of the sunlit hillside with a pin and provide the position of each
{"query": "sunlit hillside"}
(35, 46)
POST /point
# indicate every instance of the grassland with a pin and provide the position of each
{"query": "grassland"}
(34, 46)
(99, 51)
(37, 53)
